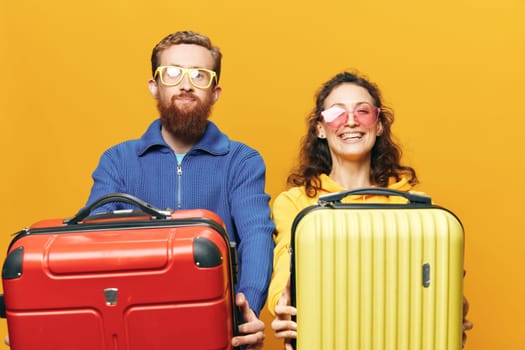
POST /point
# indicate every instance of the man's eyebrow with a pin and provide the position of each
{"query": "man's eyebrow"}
(182, 66)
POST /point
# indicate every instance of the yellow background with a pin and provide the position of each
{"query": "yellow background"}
(74, 83)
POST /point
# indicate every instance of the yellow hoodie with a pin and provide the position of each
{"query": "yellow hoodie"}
(286, 207)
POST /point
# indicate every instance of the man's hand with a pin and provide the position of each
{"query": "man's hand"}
(252, 328)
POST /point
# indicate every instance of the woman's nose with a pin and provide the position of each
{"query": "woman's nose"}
(351, 121)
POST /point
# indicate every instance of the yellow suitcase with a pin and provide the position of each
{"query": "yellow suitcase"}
(374, 276)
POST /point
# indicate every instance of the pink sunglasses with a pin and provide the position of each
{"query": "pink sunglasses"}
(365, 114)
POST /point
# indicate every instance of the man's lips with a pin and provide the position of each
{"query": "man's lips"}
(185, 98)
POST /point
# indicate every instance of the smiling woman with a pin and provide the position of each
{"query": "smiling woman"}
(348, 145)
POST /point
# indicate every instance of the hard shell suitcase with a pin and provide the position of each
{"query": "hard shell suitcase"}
(126, 280)
(377, 276)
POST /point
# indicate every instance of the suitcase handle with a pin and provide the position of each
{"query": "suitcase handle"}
(117, 197)
(338, 196)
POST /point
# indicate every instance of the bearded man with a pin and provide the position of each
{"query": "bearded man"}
(183, 161)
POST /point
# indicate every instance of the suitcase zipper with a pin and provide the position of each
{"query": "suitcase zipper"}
(121, 225)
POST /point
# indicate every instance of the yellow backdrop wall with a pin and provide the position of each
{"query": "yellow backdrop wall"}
(74, 83)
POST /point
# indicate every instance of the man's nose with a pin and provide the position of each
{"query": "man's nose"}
(185, 83)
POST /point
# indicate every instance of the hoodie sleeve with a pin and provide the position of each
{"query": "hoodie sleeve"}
(284, 211)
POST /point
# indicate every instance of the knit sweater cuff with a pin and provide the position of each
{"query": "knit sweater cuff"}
(255, 299)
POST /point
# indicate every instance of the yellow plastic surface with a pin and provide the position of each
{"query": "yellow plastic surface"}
(359, 282)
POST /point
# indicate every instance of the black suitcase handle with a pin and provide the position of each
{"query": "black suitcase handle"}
(117, 197)
(338, 196)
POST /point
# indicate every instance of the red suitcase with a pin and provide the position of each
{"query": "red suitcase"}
(126, 280)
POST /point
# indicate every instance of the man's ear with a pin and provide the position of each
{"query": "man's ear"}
(153, 88)
(216, 93)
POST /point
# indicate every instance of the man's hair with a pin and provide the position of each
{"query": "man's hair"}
(186, 37)
(315, 158)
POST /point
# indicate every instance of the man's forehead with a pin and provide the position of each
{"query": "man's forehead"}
(187, 55)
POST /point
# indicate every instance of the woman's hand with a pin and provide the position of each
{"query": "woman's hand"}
(282, 325)
(467, 325)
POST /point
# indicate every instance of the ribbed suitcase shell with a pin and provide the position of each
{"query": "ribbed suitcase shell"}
(121, 281)
(378, 277)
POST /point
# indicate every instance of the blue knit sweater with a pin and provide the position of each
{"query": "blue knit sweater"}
(218, 174)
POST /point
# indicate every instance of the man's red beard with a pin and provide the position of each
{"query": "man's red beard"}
(185, 124)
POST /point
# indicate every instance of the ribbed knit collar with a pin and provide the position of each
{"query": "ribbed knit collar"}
(213, 141)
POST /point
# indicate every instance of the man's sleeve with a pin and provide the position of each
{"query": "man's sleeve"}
(251, 214)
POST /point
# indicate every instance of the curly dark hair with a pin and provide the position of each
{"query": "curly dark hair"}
(315, 158)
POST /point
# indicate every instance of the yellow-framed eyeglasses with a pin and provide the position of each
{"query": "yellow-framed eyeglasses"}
(201, 78)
